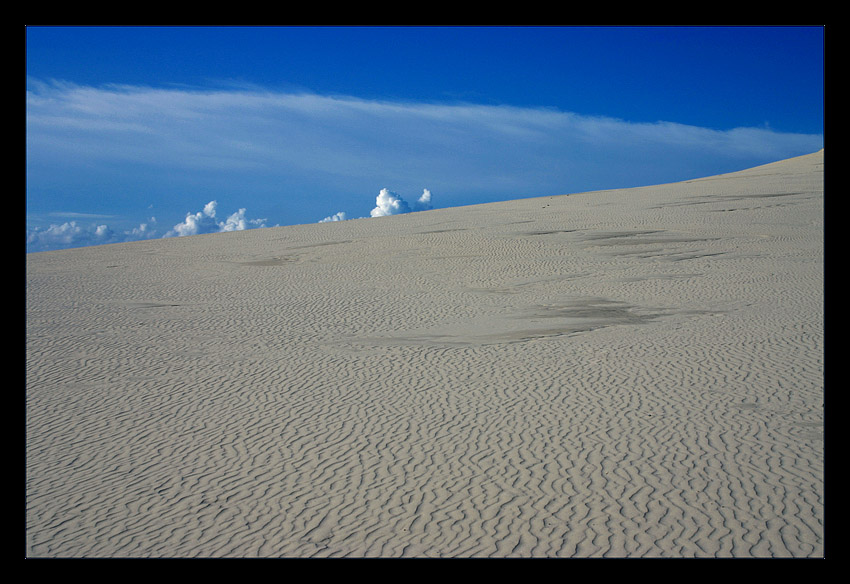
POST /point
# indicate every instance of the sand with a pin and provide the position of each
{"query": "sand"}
(623, 373)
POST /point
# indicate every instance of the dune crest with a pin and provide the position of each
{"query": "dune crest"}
(623, 373)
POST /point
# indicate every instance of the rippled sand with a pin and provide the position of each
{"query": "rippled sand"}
(633, 372)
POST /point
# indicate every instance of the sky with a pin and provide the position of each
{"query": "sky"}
(148, 132)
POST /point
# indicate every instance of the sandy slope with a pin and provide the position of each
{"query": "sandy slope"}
(634, 372)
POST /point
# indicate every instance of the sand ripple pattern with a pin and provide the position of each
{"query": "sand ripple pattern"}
(633, 373)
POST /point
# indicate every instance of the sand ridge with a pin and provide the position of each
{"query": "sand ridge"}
(624, 373)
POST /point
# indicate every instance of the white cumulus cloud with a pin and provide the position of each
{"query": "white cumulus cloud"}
(68, 234)
(76, 234)
(341, 216)
(390, 203)
(205, 222)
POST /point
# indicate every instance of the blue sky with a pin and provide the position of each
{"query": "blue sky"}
(149, 132)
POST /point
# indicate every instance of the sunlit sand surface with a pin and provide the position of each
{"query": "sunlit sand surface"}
(623, 373)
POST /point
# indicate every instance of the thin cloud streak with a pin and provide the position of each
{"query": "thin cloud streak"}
(272, 131)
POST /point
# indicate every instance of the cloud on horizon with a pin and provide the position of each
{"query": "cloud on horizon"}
(340, 216)
(205, 222)
(74, 234)
(300, 153)
(390, 203)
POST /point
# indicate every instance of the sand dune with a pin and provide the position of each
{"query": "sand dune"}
(632, 372)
